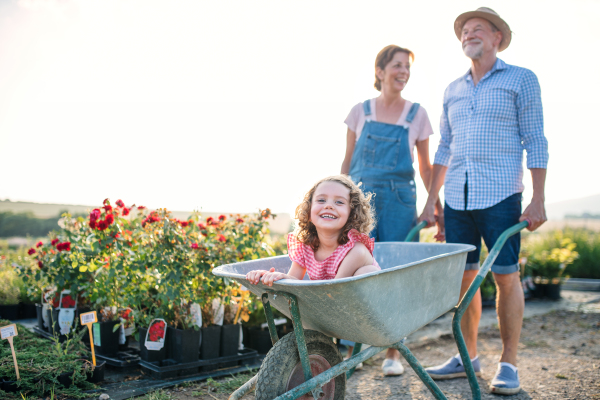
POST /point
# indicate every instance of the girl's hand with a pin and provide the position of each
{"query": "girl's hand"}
(273, 276)
(254, 276)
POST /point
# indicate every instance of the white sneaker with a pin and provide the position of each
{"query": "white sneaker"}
(392, 367)
(359, 366)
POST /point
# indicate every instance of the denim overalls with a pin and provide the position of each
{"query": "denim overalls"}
(383, 163)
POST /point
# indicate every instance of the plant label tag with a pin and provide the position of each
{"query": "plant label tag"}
(88, 318)
(196, 314)
(8, 331)
(155, 337)
(96, 332)
(66, 316)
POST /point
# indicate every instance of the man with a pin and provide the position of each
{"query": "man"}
(490, 115)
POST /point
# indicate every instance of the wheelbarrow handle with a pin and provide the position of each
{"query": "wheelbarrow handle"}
(414, 231)
(489, 261)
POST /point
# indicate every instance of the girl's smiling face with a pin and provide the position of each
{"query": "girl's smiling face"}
(330, 207)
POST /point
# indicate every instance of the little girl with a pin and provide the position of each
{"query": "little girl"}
(331, 240)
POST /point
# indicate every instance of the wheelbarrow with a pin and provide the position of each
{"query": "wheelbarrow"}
(418, 282)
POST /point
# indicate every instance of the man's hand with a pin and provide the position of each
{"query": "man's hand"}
(535, 213)
(428, 215)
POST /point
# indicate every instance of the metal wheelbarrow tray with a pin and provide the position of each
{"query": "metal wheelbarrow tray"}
(418, 283)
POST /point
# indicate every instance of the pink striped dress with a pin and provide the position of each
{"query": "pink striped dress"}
(304, 255)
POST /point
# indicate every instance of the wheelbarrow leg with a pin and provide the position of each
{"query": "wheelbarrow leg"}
(420, 371)
(244, 389)
(270, 319)
(357, 348)
(466, 300)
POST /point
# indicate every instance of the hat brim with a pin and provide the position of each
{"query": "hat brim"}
(494, 19)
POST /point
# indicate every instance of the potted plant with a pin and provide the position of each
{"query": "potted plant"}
(548, 265)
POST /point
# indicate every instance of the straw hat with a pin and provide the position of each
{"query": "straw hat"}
(490, 15)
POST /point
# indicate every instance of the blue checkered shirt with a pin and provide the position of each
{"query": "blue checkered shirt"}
(484, 130)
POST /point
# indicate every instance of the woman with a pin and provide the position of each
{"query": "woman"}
(382, 133)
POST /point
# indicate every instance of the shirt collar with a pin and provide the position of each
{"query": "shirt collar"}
(498, 65)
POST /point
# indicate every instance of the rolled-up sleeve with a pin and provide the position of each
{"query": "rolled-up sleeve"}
(531, 121)
(443, 155)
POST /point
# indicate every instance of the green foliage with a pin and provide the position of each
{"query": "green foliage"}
(10, 284)
(26, 224)
(549, 255)
(40, 364)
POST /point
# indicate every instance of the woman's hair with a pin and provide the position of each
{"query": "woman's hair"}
(385, 56)
(361, 217)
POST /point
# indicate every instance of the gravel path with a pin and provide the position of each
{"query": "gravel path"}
(559, 358)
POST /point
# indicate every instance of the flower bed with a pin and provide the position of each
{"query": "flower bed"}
(127, 257)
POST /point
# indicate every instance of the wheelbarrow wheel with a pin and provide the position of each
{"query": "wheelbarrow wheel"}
(281, 370)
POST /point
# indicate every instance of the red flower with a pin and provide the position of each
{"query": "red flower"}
(31, 251)
(95, 214)
(239, 220)
(201, 226)
(209, 220)
(125, 211)
(54, 241)
(105, 202)
(108, 208)
(194, 245)
(141, 208)
(222, 218)
(156, 331)
(55, 301)
(116, 235)
(67, 301)
(92, 224)
(120, 203)
(221, 238)
(65, 246)
(183, 223)
(110, 219)
(39, 244)
(40, 265)
(102, 225)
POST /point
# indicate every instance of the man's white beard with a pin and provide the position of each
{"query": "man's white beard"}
(474, 51)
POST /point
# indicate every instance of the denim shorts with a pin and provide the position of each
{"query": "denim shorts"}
(470, 226)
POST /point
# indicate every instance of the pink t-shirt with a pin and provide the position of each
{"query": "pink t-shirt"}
(304, 255)
(419, 130)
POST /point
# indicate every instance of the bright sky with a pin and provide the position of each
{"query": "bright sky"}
(236, 105)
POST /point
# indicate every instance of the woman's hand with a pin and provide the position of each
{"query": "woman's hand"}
(428, 215)
(254, 276)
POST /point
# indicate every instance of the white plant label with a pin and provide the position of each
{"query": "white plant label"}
(196, 314)
(218, 310)
(155, 346)
(8, 331)
(66, 316)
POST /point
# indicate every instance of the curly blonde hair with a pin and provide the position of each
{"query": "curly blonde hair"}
(361, 218)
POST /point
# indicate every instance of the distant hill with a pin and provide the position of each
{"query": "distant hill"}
(279, 225)
(590, 205)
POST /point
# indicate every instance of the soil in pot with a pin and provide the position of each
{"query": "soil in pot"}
(211, 342)
(553, 291)
(9, 311)
(9, 386)
(27, 310)
(66, 379)
(106, 342)
(230, 343)
(184, 344)
(151, 355)
(259, 340)
(40, 318)
(97, 374)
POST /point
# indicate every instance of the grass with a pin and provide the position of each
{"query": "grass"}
(561, 376)
(221, 386)
(535, 343)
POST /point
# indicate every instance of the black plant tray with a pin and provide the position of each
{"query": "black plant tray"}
(123, 359)
(170, 369)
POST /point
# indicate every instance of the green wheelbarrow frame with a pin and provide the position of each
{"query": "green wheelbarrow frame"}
(313, 385)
